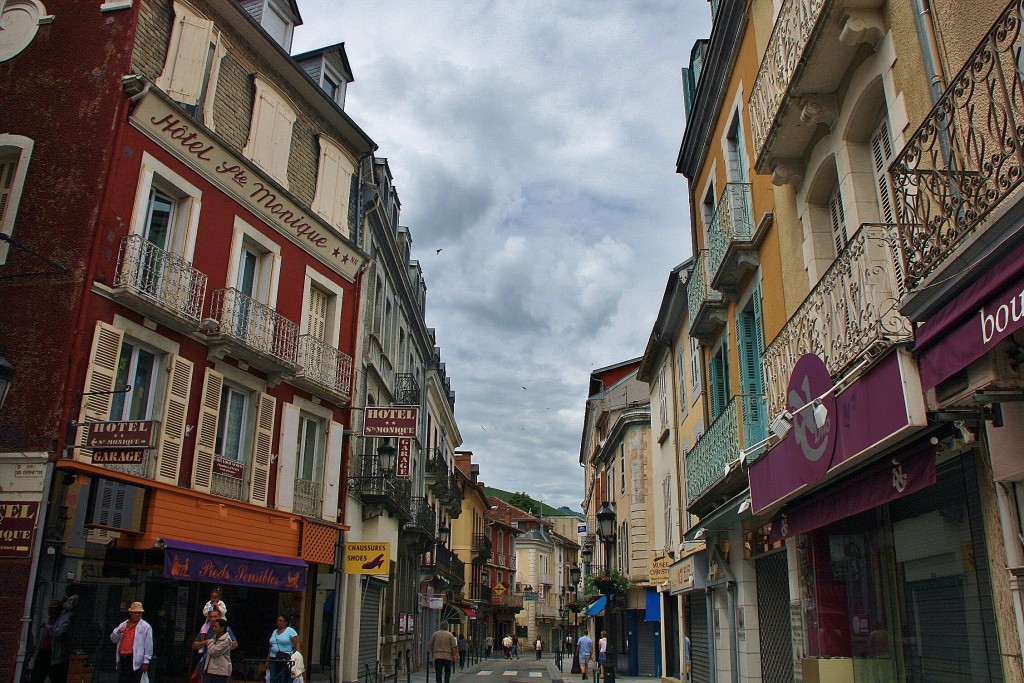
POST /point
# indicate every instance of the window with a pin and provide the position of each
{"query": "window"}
(735, 153)
(666, 489)
(136, 369)
(255, 264)
(680, 368)
(333, 183)
(15, 152)
(696, 363)
(270, 131)
(881, 157)
(277, 23)
(311, 447)
(719, 381)
(663, 396)
(622, 468)
(838, 216)
(167, 209)
(231, 431)
(193, 62)
(751, 340)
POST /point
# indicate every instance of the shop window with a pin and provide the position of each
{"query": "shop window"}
(193, 62)
(270, 131)
(333, 183)
(15, 152)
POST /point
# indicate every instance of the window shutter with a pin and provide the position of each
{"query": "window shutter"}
(172, 427)
(206, 434)
(716, 385)
(7, 168)
(261, 450)
(353, 204)
(332, 473)
(211, 82)
(881, 155)
(287, 452)
(99, 381)
(327, 196)
(281, 142)
(835, 210)
(318, 307)
(186, 57)
(270, 132)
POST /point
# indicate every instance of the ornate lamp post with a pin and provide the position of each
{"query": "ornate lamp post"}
(574, 608)
(386, 454)
(606, 530)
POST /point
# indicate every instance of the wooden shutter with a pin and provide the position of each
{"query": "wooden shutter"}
(287, 453)
(325, 201)
(332, 473)
(319, 304)
(7, 168)
(172, 426)
(99, 380)
(281, 142)
(260, 486)
(881, 156)
(835, 210)
(206, 434)
(186, 62)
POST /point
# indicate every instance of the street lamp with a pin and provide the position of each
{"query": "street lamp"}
(606, 530)
(574, 577)
(443, 532)
(587, 554)
(6, 376)
(386, 454)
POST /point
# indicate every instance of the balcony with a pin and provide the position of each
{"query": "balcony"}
(807, 58)
(381, 491)
(706, 305)
(508, 600)
(324, 370)
(850, 314)
(442, 482)
(479, 592)
(964, 164)
(253, 332)
(422, 522)
(481, 548)
(228, 479)
(446, 564)
(309, 498)
(713, 474)
(407, 389)
(159, 284)
(379, 360)
(732, 253)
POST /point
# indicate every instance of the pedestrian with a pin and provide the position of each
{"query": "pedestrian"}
(463, 651)
(298, 667)
(488, 645)
(515, 646)
(284, 641)
(444, 650)
(217, 667)
(568, 643)
(602, 651)
(584, 646)
(134, 640)
(215, 603)
(199, 642)
(52, 655)
(538, 645)
(506, 646)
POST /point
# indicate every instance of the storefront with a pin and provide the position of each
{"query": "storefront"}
(688, 583)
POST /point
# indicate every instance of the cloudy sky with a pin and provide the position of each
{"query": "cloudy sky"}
(533, 142)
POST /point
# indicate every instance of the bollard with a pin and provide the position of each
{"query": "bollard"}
(408, 666)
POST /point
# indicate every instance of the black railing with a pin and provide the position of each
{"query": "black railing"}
(377, 487)
(481, 547)
(422, 519)
(407, 389)
(446, 563)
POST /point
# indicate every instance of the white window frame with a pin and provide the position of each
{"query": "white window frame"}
(696, 367)
(285, 16)
(152, 174)
(335, 76)
(248, 425)
(270, 130)
(244, 235)
(21, 147)
(156, 384)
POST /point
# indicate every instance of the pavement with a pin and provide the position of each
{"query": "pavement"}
(526, 670)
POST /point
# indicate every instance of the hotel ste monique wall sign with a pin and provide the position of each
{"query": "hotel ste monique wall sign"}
(158, 121)
(120, 443)
(398, 422)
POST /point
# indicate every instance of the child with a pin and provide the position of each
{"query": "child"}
(215, 603)
(298, 667)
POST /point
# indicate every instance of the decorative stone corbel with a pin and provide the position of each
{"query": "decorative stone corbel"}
(787, 172)
(862, 26)
(815, 109)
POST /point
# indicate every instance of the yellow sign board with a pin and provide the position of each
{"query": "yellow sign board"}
(367, 558)
(499, 589)
(658, 568)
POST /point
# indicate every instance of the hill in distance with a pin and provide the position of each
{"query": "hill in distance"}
(539, 508)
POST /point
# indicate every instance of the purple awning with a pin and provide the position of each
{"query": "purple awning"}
(969, 326)
(195, 562)
(894, 476)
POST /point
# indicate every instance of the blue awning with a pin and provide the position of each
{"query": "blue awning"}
(597, 607)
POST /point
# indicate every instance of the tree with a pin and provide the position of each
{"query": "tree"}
(523, 501)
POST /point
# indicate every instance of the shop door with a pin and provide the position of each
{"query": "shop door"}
(670, 623)
(774, 619)
(700, 643)
(648, 648)
(369, 626)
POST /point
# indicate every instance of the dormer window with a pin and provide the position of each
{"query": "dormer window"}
(328, 67)
(277, 17)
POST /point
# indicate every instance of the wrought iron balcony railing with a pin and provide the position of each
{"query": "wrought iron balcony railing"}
(254, 331)
(323, 368)
(228, 479)
(849, 315)
(481, 547)
(308, 497)
(731, 227)
(965, 159)
(167, 284)
(512, 600)
(423, 520)
(445, 563)
(480, 592)
(407, 389)
(375, 487)
(706, 306)
(707, 463)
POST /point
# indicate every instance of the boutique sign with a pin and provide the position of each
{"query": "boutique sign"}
(193, 562)
(158, 121)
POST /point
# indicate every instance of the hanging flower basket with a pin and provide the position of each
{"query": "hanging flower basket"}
(608, 583)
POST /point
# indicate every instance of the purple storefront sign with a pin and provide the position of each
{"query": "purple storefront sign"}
(895, 476)
(870, 411)
(967, 328)
(194, 562)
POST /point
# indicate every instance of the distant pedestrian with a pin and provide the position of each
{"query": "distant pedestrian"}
(133, 639)
(488, 646)
(444, 649)
(538, 645)
(515, 647)
(584, 646)
(602, 651)
(463, 651)
(506, 646)
(568, 643)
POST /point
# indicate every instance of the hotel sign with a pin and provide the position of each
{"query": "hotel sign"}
(17, 522)
(129, 434)
(237, 177)
(397, 422)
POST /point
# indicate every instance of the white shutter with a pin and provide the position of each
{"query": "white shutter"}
(206, 433)
(281, 146)
(326, 198)
(270, 133)
(332, 474)
(261, 126)
(172, 427)
(99, 381)
(319, 304)
(186, 55)
(211, 83)
(287, 453)
(261, 449)
(835, 209)
(7, 168)
(881, 156)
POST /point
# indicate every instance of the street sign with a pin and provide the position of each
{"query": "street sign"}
(499, 589)
(531, 596)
